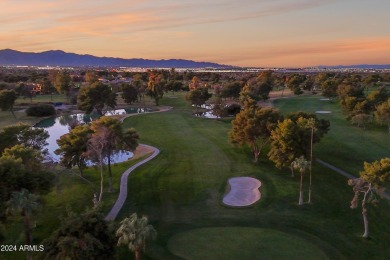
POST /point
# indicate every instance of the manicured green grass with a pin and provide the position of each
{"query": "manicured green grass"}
(182, 189)
(242, 243)
(6, 118)
(41, 98)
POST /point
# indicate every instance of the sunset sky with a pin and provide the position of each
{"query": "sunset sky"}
(267, 33)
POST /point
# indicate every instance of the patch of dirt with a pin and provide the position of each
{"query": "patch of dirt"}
(280, 94)
(141, 151)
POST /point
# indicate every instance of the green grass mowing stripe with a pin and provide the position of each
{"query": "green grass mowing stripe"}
(242, 243)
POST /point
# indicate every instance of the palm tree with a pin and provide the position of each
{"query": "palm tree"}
(130, 139)
(311, 123)
(300, 164)
(24, 203)
(134, 232)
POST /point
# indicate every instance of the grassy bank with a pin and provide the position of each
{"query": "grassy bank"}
(41, 99)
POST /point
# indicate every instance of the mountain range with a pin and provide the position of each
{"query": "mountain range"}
(61, 58)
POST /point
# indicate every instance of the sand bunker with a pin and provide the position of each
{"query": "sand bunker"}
(323, 112)
(244, 191)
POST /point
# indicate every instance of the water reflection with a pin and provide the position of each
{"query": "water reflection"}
(58, 126)
(229, 110)
(207, 114)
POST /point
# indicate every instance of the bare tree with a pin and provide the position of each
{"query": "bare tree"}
(96, 150)
(373, 178)
(361, 186)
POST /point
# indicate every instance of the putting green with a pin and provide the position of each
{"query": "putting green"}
(242, 243)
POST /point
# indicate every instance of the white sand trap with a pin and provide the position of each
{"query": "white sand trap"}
(323, 112)
(325, 99)
(244, 191)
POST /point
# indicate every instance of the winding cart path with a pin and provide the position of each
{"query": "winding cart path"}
(385, 195)
(123, 185)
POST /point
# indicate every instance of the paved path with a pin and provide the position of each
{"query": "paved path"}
(161, 109)
(123, 185)
(349, 176)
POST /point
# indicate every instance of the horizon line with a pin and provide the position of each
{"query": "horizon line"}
(236, 66)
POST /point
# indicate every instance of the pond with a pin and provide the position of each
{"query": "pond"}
(58, 126)
(206, 114)
(230, 110)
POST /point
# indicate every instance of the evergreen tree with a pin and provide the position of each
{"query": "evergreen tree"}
(96, 96)
(81, 236)
(7, 100)
(253, 126)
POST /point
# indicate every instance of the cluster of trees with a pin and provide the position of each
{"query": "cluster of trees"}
(231, 90)
(23, 176)
(93, 95)
(97, 142)
(15, 75)
(251, 87)
(259, 88)
(157, 84)
(41, 110)
(290, 139)
(253, 127)
(88, 236)
(7, 100)
(198, 97)
(361, 103)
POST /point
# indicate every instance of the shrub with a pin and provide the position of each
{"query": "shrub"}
(73, 99)
(361, 120)
(233, 109)
(41, 110)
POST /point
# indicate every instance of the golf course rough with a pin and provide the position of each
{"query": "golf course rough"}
(242, 243)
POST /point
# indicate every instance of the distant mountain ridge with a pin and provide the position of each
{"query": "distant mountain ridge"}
(358, 66)
(61, 58)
